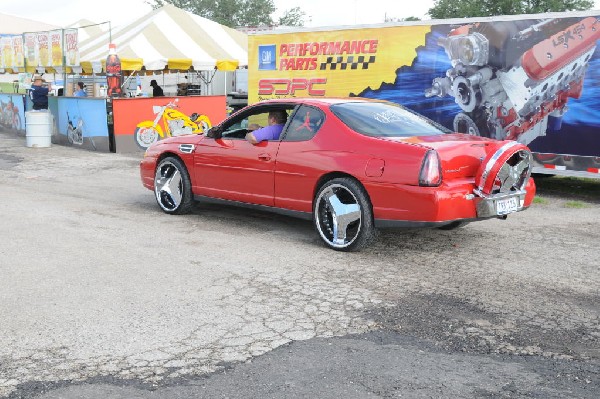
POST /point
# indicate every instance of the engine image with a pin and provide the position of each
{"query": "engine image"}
(512, 79)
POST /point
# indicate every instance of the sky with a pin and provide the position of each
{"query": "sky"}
(318, 12)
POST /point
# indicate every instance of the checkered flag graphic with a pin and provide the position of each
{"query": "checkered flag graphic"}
(351, 62)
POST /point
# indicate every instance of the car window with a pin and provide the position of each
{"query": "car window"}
(383, 119)
(305, 124)
(239, 125)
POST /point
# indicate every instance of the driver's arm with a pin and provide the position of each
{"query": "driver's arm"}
(251, 139)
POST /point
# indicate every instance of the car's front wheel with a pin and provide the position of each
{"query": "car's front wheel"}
(172, 186)
(343, 216)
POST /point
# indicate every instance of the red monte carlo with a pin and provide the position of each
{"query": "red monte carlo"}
(349, 165)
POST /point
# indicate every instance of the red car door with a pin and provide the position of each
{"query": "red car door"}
(236, 170)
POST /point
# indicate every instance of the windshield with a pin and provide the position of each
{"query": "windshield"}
(379, 119)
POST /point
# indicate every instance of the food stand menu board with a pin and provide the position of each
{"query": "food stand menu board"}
(31, 49)
(7, 52)
(43, 45)
(56, 48)
(71, 47)
(18, 52)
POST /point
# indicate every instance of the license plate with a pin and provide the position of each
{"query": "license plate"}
(506, 206)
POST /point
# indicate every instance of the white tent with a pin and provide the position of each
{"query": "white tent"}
(169, 38)
(11, 24)
(88, 29)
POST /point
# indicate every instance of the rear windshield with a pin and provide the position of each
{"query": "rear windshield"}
(385, 120)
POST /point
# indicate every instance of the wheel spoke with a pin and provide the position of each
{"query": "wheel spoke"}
(342, 216)
(168, 187)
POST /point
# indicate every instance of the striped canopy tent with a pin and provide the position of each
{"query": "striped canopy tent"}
(168, 38)
(88, 29)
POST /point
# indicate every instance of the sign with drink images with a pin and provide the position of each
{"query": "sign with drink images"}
(31, 50)
(43, 46)
(56, 48)
(7, 51)
(18, 52)
(71, 47)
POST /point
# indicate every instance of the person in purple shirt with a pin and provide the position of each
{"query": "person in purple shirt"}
(277, 120)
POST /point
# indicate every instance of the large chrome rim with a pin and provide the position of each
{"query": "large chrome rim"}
(168, 186)
(338, 216)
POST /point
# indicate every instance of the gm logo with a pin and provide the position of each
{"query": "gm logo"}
(267, 59)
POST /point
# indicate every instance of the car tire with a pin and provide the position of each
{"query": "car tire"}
(173, 187)
(343, 215)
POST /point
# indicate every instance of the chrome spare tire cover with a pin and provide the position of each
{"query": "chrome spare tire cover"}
(505, 170)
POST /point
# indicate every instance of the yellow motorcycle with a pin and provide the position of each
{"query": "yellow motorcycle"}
(175, 123)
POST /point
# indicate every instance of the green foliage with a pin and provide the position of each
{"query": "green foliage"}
(571, 188)
(292, 17)
(485, 8)
(411, 19)
(234, 13)
(540, 200)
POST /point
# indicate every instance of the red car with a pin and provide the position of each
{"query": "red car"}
(349, 165)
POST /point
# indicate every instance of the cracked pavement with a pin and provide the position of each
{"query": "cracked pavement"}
(98, 283)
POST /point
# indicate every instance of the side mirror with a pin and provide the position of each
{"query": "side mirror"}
(215, 132)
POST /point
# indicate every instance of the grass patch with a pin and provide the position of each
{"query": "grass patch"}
(540, 200)
(575, 204)
(576, 188)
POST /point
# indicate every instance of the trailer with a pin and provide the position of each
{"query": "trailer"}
(530, 78)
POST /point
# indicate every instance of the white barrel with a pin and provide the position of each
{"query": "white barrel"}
(38, 128)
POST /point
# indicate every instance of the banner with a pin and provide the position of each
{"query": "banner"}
(328, 63)
(71, 47)
(31, 50)
(18, 52)
(43, 47)
(7, 51)
(56, 48)
(530, 80)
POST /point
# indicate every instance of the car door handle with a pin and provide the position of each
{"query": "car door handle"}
(264, 157)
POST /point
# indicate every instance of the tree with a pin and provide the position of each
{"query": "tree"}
(234, 13)
(292, 17)
(487, 8)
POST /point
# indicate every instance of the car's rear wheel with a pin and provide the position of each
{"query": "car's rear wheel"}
(172, 186)
(343, 216)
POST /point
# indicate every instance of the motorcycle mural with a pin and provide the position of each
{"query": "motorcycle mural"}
(513, 79)
(74, 133)
(82, 123)
(10, 117)
(169, 122)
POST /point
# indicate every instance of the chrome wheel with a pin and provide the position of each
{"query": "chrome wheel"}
(172, 186)
(342, 215)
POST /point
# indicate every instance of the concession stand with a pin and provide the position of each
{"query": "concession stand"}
(181, 51)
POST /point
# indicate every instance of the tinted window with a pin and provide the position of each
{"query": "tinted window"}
(305, 124)
(385, 120)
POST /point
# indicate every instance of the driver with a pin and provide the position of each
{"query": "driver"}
(277, 120)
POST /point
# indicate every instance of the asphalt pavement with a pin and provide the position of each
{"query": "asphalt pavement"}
(104, 296)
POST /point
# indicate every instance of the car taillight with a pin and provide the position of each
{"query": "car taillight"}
(431, 170)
